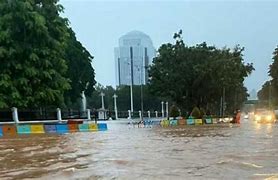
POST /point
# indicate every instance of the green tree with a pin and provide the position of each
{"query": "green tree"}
(174, 111)
(33, 40)
(264, 93)
(196, 113)
(268, 94)
(199, 75)
(80, 70)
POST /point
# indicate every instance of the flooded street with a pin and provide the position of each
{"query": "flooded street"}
(248, 151)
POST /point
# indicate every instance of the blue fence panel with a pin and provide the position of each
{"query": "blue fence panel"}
(102, 126)
(50, 128)
(1, 131)
(62, 128)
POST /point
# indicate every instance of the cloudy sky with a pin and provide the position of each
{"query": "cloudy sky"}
(252, 24)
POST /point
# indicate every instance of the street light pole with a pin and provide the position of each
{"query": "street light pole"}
(115, 106)
(167, 110)
(102, 100)
(142, 99)
(162, 109)
(131, 79)
(131, 98)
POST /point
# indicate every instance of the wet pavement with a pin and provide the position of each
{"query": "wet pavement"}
(246, 151)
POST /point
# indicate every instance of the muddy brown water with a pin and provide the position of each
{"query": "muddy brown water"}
(247, 151)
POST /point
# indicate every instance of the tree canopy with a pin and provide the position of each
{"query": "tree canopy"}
(80, 71)
(40, 56)
(268, 94)
(197, 75)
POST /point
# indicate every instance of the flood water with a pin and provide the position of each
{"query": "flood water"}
(247, 151)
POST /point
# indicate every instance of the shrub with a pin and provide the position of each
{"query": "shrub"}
(196, 112)
(174, 111)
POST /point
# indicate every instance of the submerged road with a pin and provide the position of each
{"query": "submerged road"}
(245, 151)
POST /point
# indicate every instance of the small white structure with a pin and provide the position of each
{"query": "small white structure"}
(102, 114)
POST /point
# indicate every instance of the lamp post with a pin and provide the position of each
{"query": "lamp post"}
(115, 106)
(130, 77)
(102, 100)
(167, 110)
(139, 68)
(162, 109)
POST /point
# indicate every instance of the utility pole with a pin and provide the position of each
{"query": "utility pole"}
(141, 82)
(115, 106)
(167, 110)
(131, 79)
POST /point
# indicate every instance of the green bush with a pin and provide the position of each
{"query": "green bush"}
(196, 113)
(174, 111)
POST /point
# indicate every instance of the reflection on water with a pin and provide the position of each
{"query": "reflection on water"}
(246, 151)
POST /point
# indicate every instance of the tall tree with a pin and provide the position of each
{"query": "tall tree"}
(268, 93)
(199, 75)
(80, 70)
(32, 50)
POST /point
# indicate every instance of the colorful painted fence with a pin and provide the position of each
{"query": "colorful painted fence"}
(189, 121)
(27, 129)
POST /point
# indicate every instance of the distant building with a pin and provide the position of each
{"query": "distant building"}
(134, 54)
(253, 95)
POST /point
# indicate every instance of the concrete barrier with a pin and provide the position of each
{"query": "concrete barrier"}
(102, 126)
(181, 122)
(173, 122)
(93, 127)
(198, 121)
(83, 127)
(23, 129)
(62, 128)
(73, 127)
(190, 121)
(9, 130)
(164, 123)
(208, 121)
(50, 128)
(37, 129)
(1, 131)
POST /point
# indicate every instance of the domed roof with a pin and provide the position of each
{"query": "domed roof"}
(136, 34)
(135, 38)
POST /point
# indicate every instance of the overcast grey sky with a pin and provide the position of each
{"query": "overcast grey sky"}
(252, 24)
